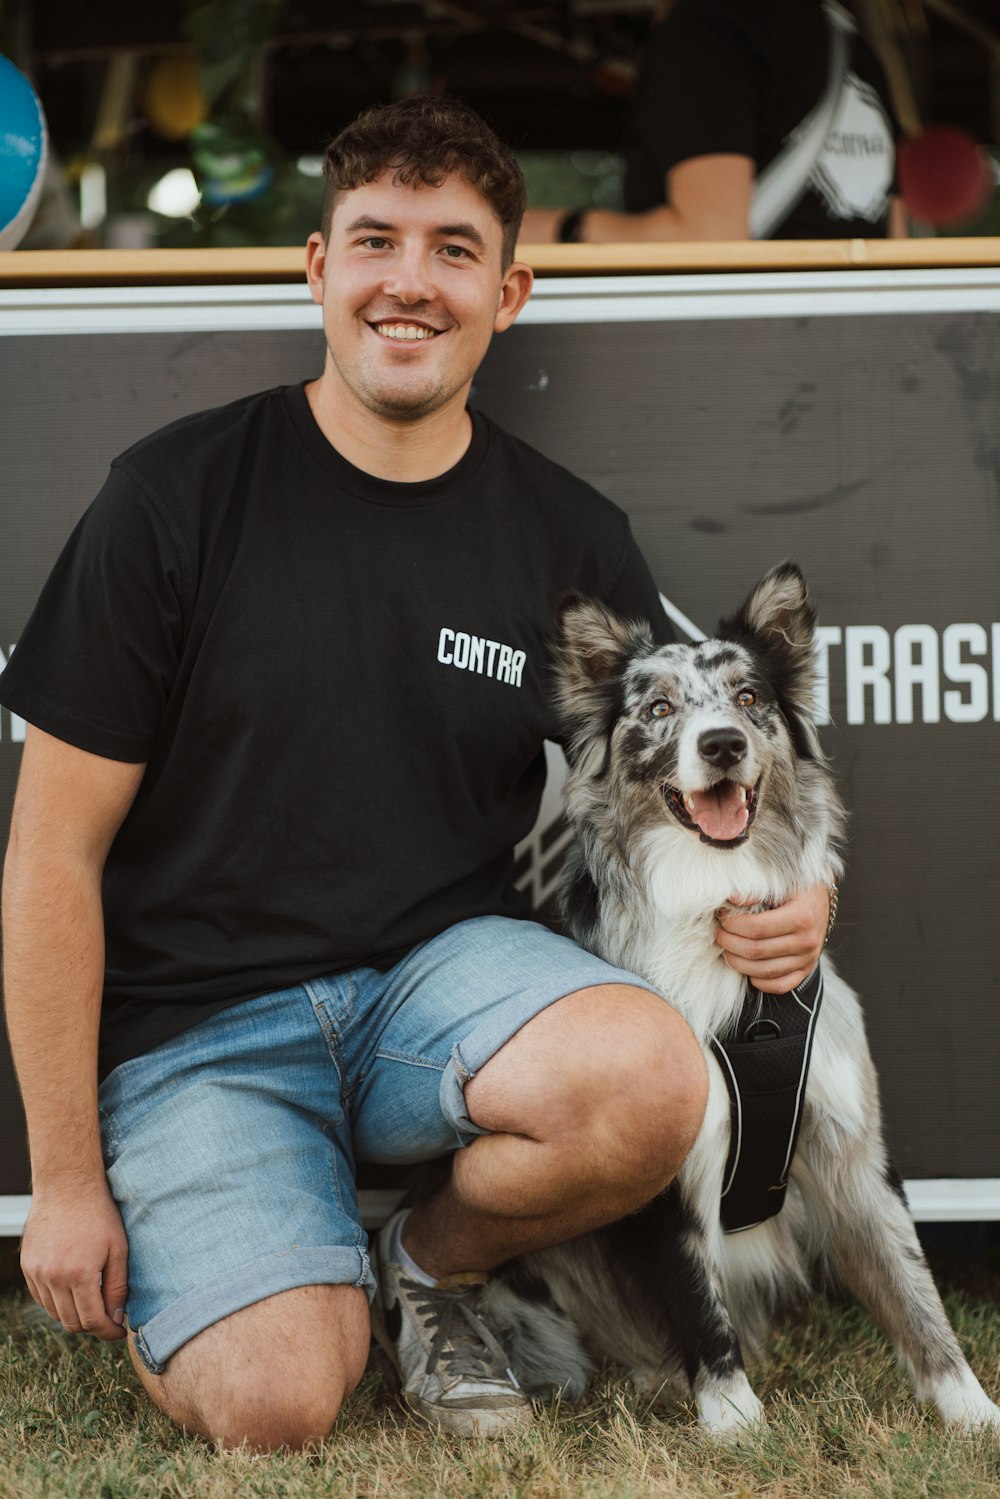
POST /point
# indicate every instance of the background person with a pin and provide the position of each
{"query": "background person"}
(725, 87)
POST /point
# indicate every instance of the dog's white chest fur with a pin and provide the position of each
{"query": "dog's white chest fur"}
(677, 890)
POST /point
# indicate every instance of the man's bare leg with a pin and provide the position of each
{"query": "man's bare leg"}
(272, 1375)
(593, 1105)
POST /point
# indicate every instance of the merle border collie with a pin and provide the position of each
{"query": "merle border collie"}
(696, 771)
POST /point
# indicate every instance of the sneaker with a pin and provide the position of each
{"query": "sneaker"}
(453, 1372)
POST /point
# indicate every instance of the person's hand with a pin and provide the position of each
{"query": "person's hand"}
(776, 949)
(74, 1256)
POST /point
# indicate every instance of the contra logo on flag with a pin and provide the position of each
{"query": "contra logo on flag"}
(854, 170)
(491, 658)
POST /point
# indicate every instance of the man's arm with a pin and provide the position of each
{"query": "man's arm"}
(708, 199)
(68, 807)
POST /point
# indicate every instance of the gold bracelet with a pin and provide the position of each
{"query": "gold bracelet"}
(834, 894)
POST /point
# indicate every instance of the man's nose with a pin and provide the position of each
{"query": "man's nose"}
(409, 277)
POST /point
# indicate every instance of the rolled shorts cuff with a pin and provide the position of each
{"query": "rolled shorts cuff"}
(468, 1056)
(177, 1324)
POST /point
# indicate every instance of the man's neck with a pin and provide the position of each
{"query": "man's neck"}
(406, 452)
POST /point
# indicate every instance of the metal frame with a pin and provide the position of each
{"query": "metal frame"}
(931, 1200)
(600, 299)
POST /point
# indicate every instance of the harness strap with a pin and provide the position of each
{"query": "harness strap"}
(766, 1066)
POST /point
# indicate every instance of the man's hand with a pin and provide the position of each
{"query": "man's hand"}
(74, 1256)
(777, 949)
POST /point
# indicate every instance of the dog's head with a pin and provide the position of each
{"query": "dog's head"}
(703, 736)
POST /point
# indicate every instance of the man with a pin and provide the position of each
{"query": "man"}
(287, 695)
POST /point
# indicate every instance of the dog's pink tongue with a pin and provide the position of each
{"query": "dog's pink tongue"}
(719, 812)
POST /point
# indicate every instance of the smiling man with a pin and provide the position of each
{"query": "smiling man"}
(287, 695)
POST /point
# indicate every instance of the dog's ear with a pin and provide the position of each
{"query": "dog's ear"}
(592, 646)
(777, 621)
(593, 643)
(778, 611)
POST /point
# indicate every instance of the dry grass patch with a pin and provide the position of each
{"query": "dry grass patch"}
(841, 1424)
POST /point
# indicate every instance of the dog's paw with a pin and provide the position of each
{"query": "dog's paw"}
(729, 1411)
(979, 1419)
(982, 1416)
(963, 1403)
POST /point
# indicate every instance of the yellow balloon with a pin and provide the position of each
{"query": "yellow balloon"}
(173, 101)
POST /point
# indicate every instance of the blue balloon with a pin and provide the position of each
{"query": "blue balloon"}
(24, 149)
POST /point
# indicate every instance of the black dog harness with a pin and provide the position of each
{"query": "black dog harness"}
(766, 1067)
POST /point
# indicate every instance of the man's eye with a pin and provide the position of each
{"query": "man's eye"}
(660, 709)
(746, 697)
(375, 242)
(455, 252)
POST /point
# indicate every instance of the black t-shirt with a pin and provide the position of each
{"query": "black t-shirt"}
(738, 77)
(339, 685)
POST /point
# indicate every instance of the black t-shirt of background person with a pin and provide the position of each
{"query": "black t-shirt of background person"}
(739, 77)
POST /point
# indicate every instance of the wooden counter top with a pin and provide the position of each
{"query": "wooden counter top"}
(39, 268)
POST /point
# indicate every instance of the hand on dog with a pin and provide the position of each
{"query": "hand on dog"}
(777, 949)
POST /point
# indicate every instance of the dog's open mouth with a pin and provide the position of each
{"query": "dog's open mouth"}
(720, 814)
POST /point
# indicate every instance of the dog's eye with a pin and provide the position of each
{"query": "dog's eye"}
(746, 698)
(660, 709)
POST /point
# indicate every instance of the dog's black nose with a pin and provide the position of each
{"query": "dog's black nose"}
(722, 747)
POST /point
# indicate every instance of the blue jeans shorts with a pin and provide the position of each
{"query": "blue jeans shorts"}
(230, 1149)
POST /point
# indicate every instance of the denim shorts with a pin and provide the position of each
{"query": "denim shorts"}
(230, 1149)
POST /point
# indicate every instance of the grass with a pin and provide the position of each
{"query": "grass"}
(841, 1422)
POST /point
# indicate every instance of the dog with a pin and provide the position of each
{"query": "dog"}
(696, 771)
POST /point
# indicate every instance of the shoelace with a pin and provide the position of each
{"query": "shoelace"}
(461, 1341)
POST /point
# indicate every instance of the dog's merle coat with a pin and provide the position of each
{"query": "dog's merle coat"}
(696, 771)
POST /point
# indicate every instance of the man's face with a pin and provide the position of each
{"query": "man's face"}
(412, 290)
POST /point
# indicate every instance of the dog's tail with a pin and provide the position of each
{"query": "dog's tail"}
(541, 1341)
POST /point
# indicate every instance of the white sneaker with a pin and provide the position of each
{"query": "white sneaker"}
(453, 1371)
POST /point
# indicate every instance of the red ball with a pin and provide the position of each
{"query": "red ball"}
(944, 176)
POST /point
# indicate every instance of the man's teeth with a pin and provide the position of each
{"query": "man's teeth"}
(407, 331)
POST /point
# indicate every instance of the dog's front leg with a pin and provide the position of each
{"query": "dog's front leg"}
(706, 1338)
(872, 1246)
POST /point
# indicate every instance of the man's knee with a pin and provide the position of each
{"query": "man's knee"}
(267, 1415)
(655, 1088)
(273, 1375)
(613, 1065)
(667, 1101)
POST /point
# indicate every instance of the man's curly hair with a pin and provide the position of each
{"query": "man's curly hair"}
(424, 141)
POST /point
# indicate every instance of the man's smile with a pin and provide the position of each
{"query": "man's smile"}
(402, 332)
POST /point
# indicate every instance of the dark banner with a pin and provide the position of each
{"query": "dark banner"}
(864, 446)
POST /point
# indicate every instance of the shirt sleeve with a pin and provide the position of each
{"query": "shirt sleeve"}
(97, 660)
(698, 92)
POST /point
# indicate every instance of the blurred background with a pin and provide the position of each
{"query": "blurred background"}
(197, 123)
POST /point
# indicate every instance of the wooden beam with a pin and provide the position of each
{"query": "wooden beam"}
(28, 268)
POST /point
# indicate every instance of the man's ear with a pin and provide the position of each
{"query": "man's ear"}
(514, 292)
(315, 265)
